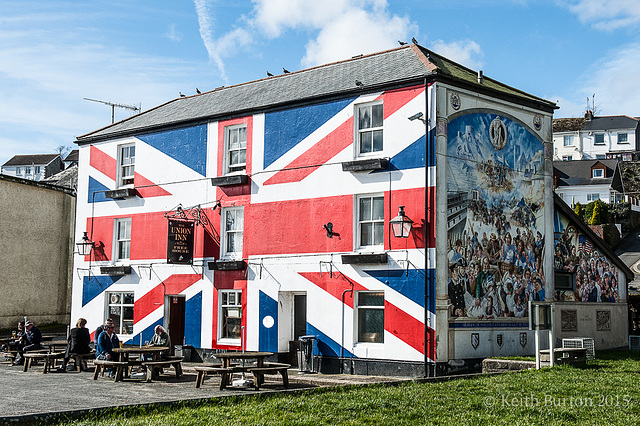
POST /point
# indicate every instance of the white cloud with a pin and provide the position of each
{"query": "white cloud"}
(606, 14)
(173, 34)
(465, 52)
(614, 80)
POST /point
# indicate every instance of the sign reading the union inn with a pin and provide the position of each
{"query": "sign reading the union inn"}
(180, 242)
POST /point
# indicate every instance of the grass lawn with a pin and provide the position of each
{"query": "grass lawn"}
(606, 391)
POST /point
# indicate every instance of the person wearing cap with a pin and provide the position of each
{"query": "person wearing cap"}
(33, 340)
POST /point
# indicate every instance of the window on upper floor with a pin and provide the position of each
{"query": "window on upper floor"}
(568, 140)
(597, 173)
(126, 164)
(122, 239)
(232, 232)
(370, 316)
(120, 310)
(18, 171)
(567, 157)
(623, 138)
(369, 132)
(37, 169)
(370, 226)
(230, 315)
(599, 139)
(235, 141)
(27, 170)
(593, 197)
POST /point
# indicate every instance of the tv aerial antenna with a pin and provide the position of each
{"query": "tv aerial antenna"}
(113, 106)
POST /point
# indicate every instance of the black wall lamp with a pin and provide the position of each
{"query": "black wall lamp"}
(85, 245)
(401, 224)
(329, 228)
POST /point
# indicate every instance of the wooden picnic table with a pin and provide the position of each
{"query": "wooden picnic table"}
(226, 371)
(54, 345)
(126, 351)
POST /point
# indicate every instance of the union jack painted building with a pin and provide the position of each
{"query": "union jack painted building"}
(289, 184)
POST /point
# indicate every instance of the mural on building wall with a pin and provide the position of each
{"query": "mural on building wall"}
(495, 217)
(589, 274)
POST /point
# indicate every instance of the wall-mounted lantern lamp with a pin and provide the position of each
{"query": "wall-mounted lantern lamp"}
(85, 245)
(401, 224)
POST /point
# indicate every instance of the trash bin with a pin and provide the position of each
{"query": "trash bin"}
(184, 351)
(305, 354)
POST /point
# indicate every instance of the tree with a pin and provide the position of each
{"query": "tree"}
(600, 213)
(63, 151)
(579, 211)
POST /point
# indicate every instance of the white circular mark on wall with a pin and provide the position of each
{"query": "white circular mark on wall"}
(268, 321)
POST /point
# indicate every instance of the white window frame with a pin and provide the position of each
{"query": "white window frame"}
(374, 221)
(126, 165)
(230, 169)
(358, 311)
(567, 157)
(597, 173)
(121, 305)
(36, 170)
(593, 197)
(237, 303)
(18, 171)
(238, 230)
(361, 131)
(626, 138)
(595, 139)
(568, 140)
(119, 240)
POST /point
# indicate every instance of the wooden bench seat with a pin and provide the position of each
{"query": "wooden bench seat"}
(81, 359)
(10, 356)
(47, 358)
(102, 364)
(154, 367)
(225, 373)
(270, 368)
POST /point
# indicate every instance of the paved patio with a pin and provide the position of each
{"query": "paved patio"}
(32, 396)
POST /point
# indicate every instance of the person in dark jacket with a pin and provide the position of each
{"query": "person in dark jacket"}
(78, 342)
(34, 340)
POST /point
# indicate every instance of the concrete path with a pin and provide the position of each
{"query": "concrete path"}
(31, 396)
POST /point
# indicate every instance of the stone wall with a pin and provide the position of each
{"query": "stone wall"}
(36, 251)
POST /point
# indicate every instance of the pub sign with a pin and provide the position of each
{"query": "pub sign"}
(180, 242)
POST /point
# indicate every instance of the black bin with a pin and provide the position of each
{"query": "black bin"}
(305, 354)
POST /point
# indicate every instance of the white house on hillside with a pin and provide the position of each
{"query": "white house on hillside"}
(584, 181)
(592, 138)
(33, 167)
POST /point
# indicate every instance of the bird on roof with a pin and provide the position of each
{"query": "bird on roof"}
(413, 40)
(198, 91)
(182, 95)
(269, 74)
(359, 83)
(285, 71)
(402, 43)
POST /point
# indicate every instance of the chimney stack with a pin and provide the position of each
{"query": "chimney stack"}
(480, 77)
(588, 116)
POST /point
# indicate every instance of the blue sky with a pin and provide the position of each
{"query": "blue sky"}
(144, 52)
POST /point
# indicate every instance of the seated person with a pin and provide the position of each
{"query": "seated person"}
(161, 338)
(33, 342)
(104, 347)
(17, 339)
(78, 342)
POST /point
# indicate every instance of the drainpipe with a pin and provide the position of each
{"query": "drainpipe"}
(342, 342)
(427, 281)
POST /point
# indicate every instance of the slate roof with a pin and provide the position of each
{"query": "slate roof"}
(606, 123)
(68, 178)
(399, 66)
(614, 122)
(73, 156)
(578, 172)
(28, 160)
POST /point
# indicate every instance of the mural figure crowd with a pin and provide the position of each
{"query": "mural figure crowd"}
(495, 240)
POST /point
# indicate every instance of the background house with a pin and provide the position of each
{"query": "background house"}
(594, 137)
(36, 251)
(33, 167)
(584, 181)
